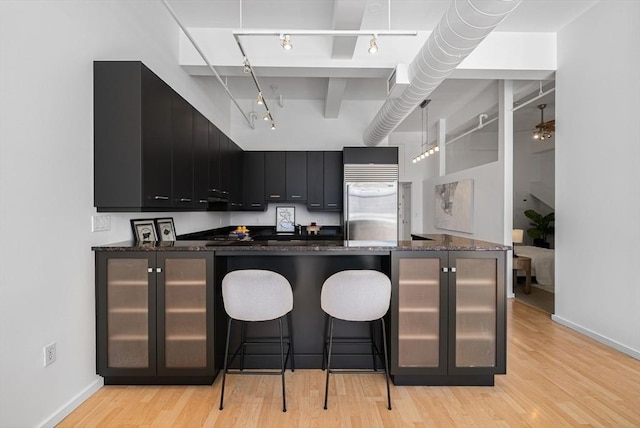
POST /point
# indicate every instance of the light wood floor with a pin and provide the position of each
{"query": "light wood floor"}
(556, 378)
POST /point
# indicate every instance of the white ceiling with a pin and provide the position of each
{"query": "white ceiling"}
(407, 15)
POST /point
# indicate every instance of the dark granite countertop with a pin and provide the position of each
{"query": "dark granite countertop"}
(440, 242)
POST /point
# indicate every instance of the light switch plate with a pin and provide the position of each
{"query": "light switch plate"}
(100, 223)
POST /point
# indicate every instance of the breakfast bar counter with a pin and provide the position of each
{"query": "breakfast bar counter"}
(160, 317)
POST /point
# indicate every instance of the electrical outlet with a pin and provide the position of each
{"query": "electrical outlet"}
(49, 354)
(100, 223)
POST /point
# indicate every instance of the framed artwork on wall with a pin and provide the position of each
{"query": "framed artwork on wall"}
(166, 229)
(144, 229)
(454, 206)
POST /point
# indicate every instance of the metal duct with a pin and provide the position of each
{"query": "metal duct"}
(465, 24)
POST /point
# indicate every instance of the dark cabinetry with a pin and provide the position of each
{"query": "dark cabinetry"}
(254, 177)
(181, 153)
(296, 176)
(200, 160)
(275, 179)
(448, 317)
(155, 317)
(132, 138)
(324, 181)
(365, 155)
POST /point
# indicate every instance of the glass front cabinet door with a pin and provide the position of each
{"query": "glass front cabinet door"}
(448, 317)
(154, 314)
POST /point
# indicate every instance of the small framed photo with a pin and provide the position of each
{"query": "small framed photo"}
(285, 219)
(166, 229)
(144, 229)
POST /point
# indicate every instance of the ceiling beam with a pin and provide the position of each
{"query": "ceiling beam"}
(347, 15)
(335, 94)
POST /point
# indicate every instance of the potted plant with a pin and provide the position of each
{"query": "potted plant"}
(542, 227)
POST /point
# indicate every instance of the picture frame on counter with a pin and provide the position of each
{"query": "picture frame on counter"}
(285, 219)
(144, 229)
(166, 229)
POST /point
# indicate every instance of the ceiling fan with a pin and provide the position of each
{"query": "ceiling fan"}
(544, 130)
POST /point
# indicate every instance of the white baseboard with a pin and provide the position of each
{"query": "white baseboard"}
(597, 337)
(72, 404)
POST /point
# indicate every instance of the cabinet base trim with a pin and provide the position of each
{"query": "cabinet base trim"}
(159, 380)
(444, 380)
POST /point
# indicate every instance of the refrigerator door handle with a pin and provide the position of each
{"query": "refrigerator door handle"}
(346, 204)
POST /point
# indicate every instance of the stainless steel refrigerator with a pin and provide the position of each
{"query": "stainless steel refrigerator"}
(371, 203)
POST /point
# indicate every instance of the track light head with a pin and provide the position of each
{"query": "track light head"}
(373, 46)
(266, 116)
(246, 67)
(273, 126)
(285, 42)
(260, 99)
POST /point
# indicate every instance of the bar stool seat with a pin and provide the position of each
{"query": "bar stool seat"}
(356, 295)
(257, 295)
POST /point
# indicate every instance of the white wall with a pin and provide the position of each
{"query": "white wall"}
(46, 178)
(598, 175)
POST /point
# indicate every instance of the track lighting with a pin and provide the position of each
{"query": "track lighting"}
(266, 116)
(260, 99)
(245, 65)
(285, 42)
(273, 126)
(373, 46)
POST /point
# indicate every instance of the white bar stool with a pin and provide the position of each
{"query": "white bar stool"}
(356, 295)
(257, 295)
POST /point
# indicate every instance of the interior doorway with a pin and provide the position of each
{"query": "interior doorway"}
(404, 212)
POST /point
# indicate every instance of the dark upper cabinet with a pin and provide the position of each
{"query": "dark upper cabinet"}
(315, 181)
(225, 164)
(254, 177)
(275, 176)
(200, 160)
(296, 176)
(214, 160)
(182, 153)
(132, 138)
(236, 189)
(332, 181)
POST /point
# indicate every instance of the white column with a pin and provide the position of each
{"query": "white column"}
(505, 156)
(441, 126)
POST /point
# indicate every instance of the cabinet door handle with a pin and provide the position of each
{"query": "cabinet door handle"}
(332, 205)
(274, 196)
(185, 199)
(158, 270)
(256, 205)
(445, 269)
(150, 270)
(213, 190)
(453, 269)
(314, 205)
(203, 201)
(295, 196)
(224, 192)
(162, 198)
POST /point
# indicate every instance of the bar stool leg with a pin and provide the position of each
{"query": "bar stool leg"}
(326, 386)
(386, 363)
(282, 368)
(226, 359)
(372, 334)
(324, 342)
(243, 335)
(290, 331)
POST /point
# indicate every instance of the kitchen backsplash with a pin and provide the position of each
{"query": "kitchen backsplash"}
(302, 216)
